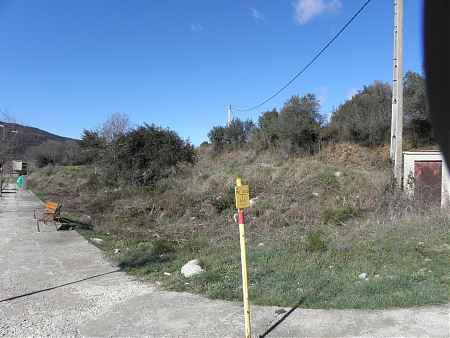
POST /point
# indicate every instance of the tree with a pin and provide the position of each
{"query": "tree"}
(117, 125)
(366, 117)
(236, 134)
(418, 128)
(299, 123)
(269, 128)
(92, 146)
(217, 138)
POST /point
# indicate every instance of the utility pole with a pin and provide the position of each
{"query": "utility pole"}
(230, 117)
(396, 149)
(4, 131)
(394, 87)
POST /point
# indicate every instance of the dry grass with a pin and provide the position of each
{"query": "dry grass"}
(334, 209)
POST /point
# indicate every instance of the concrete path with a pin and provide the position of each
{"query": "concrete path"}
(115, 305)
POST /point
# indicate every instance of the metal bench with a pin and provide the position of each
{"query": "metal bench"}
(51, 213)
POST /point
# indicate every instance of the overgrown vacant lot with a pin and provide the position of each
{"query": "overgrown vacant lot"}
(317, 224)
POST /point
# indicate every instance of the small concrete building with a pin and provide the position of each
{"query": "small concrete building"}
(19, 167)
(426, 176)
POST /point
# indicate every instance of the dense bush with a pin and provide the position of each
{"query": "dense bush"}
(418, 130)
(148, 153)
(366, 117)
(236, 134)
(268, 133)
(92, 146)
(139, 156)
(295, 128)
(299, 123)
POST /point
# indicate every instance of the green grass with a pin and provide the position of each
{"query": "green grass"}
(402, 273)
(40, 195)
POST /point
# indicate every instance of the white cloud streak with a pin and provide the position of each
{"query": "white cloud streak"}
(257, 15)
(305, 10)
(196, 27)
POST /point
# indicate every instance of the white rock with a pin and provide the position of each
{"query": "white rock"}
(315, 194)
(167, 274)
(191, 268)
(260, 244)
(363, 276)
(116, 251)
(86, 219)
(338, 173)
(97, 240)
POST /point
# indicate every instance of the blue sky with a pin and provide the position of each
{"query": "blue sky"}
(67, 65)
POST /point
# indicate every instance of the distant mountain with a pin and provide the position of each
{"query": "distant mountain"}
(15, 139)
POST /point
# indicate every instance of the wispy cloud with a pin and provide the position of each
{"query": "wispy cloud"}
(257, 15)
(196, 27)
(305, 10)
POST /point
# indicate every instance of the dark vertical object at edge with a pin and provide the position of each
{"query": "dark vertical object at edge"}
(437, 68)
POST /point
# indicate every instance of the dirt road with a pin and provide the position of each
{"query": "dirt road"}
(115, 305)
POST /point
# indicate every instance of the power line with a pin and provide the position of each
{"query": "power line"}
(310, 63)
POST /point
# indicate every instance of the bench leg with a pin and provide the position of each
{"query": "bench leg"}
(37, 221)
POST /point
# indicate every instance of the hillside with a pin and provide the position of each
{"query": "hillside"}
(16, 144)
(316, 225)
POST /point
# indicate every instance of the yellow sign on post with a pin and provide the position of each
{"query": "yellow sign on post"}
(242, 196)
(243, 201)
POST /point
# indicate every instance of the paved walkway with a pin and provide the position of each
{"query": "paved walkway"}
(115, 305)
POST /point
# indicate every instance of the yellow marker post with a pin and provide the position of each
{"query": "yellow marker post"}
(242, 197)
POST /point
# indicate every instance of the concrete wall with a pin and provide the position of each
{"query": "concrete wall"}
(409, 157)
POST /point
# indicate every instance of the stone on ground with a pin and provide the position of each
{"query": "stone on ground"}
(191, 268)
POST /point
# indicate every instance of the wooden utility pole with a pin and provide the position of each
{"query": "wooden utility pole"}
(396, 149)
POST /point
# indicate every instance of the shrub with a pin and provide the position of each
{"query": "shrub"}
(269, 129)
(237, 133)
(366, 117)
(296, 128)
(299, 123)
(149, 153)
(217, 138)
(224, 201)
(92, 146)
(418, 130)
(147, 253)
(337, 215)
(315, 241)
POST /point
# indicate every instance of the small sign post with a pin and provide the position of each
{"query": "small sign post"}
(242, 197)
